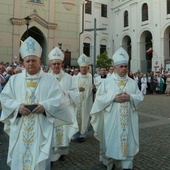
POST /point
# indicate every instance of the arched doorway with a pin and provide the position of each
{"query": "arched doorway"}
(145, 45)
(40, 38)
(126, 44)
(166, 50)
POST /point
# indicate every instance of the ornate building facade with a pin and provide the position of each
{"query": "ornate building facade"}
(142, 27)
(51, 22)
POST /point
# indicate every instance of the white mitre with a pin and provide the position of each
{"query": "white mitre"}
(83, 60)
(120, 57)
(30, 47)
(56, 53)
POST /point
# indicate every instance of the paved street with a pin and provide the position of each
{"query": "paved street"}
(154, 154)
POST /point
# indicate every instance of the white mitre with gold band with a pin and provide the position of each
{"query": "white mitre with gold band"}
(56, 53)
(30, 47)
(83, 60)
(120, 57)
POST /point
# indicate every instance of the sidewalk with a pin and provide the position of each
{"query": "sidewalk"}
(154, 154)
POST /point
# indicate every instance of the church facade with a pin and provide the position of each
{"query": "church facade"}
(52, 23)
(142, 27)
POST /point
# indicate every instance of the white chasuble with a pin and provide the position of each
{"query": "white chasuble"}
(63, 134)
(30, 137)
(85, 100)
(116, 124)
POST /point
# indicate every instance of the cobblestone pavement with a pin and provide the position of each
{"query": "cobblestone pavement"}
(154, 154)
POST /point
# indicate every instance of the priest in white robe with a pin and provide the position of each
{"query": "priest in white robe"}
(99, 79)
(83, 82)
(32, 102)
(114, 116)
(63, 134)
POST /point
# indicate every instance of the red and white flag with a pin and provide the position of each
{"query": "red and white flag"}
(149, 51)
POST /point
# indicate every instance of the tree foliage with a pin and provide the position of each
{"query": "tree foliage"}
(103, 60)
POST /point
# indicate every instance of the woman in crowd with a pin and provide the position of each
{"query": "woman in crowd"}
(167, 91)
(154, 84)
(143, 84)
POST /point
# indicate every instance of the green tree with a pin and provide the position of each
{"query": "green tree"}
(103, 60)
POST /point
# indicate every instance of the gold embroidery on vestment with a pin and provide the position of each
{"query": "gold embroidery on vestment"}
(31, 84)
(28, 139)
(124, 126)
(122, 83)
(59, 134)
(82, 83)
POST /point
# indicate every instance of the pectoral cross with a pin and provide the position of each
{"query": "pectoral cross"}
(32, 97)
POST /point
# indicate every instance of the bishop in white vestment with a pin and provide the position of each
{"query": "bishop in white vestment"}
(83, 82)
(30, 129)
(114, 116)
(63, 134)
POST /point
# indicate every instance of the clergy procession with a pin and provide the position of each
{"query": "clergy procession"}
(44, 111)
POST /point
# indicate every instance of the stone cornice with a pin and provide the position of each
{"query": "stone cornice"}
(34, 17)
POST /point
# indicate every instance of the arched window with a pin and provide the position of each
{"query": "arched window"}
(86, 49)
(144, 12)
(168, 6)
(102, 49)
(126, 23)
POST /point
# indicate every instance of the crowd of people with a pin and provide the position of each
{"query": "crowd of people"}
(45, 107)
(154, 82)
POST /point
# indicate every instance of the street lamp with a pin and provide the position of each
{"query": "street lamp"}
(27, 19)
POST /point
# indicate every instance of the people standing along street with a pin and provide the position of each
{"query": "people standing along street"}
(160, 83)
(143, 84)
(32, 101)
(114, 116)
(154, 83)
(2, 77)
(84, 83)
(63, 134)
(167, 91)
(148, 78)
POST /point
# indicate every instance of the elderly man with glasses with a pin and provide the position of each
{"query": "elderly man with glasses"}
(62, 134)
(32, 102)
(114, 116)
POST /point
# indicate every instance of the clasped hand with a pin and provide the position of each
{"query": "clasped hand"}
(121, 98)
(24, 111)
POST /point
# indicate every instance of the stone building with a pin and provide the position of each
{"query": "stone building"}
(51, 22)
(142, 27)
